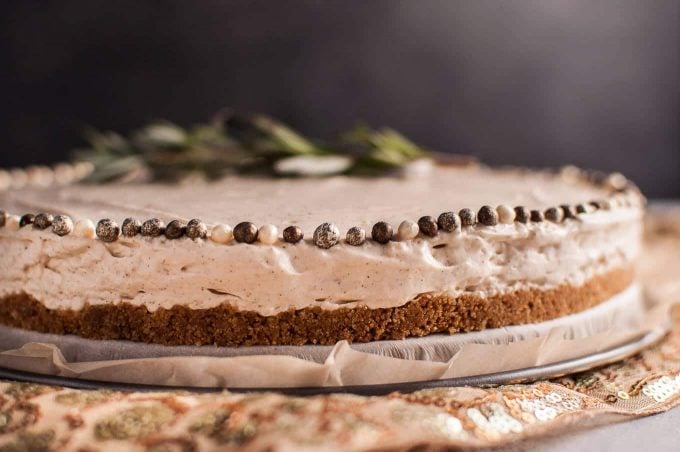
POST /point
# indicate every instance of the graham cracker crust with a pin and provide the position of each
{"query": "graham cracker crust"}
(225, 326)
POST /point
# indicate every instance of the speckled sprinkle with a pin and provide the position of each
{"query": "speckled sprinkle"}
(487, 216)
(131, 227)
(355, 236)
(536, 216)
(175, 229)
(568, 211)
(293, 234)
(326, 235)
(62, 225)
(522, 214)
(196, 229)
(601, 204)
(382, 232)
(153, 228)
(107, 230)
(582, 208)
(26, 220)
(448, 221)
(553, 214)
(468, 217)
(428, 226)
(43, 221)
(245, 232)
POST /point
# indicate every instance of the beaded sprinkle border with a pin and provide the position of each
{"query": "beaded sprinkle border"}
(622, 194)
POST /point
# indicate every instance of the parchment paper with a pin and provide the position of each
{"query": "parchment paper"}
(625, 316)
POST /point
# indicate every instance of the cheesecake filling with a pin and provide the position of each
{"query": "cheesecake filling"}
(71, 272)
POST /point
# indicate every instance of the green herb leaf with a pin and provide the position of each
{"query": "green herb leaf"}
(240, 144)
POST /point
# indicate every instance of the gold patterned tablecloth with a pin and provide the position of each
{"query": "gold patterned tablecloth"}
(36, 417)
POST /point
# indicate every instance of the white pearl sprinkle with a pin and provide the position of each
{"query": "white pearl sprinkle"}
(570, 173)
(19, 178)
(64, 173)
(221, 233)
(616, 181)
(5, 180)
(40, 176)
(13, 222)
(85, 229)
(268, 234)
(83, 169)
(505, 213)
(407, 230)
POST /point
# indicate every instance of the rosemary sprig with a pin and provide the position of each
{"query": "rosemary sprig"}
(379, 150)
(163, 151)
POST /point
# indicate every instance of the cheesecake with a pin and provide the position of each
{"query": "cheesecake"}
(241, 260)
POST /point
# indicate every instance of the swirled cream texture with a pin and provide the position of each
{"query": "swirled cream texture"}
(70, 272)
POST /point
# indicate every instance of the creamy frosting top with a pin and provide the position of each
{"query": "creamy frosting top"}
(345, 201)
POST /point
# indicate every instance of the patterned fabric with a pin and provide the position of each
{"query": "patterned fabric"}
(35, 417)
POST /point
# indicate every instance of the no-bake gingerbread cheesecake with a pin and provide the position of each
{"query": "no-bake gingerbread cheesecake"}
(191, 236)
(441, 249)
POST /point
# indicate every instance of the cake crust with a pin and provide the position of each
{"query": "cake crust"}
(225, 326)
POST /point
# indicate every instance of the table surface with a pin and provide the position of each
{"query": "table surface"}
(659, 432)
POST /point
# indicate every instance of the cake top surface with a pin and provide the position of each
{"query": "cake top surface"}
(307, 202)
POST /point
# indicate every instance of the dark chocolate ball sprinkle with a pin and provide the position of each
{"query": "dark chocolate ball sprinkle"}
(326, 235)
(196, 229)
(26, 220)
(600, 204)
(468, 217)
(293, 234)
(522, 214)
(382, 232)
(107, 230)
(536, 216)
(245, 232)
(43, 221)
(62, 225)
(554, 214)
(428, 226)
(153, 228)
(568, 211)
(3, 218)
(488, 216)
(355, 236)
(131, 227)
(448, 221)
(581, 208)
(175, 229)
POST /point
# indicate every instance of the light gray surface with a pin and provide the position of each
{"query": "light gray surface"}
(660, 432)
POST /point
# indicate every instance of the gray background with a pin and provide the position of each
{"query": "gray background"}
(533, 82)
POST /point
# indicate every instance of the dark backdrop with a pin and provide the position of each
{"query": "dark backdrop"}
(536, 82)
